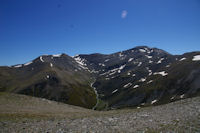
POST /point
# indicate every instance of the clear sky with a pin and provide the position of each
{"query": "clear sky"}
(29, 28)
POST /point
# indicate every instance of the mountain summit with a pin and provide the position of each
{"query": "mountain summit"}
(137, 77)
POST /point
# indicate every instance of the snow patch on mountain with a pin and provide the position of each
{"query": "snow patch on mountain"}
(17, 66)
(121, 67)
(163, 73)
(128, 73)
(154, 101)
(28, 63)
(135, 86)
(93, 71)
(140, 63)
(172, 97)
(150, 71)
(115, 91)
(142, 80)
(106, 60)
(182, 59)
(127, 85)
(41, 59)
(51, 65)
(196, 58)
(101, 64)
(57, 55)
(81, 62)
(160, 61)
(149, 81)
(181, 96)
(130, 59)
(149, 57)
(142, 50)
(113, 71)
(150, 61)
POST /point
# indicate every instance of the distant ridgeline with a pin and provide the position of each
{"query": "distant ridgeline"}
(137, 77)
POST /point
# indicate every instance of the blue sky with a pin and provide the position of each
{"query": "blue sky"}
(29, 28)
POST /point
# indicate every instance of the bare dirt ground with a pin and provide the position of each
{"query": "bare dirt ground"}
(24, 114)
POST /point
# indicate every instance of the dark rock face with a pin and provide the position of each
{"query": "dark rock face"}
(144, 76)
(141, 76)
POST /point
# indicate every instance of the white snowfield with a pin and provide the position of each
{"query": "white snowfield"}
(106, 60)
(142, 50)
(150, 61)
(51, 65)
(127, 85)
(149, 81)
(101, 64)
(181, 96)
(150, 72)
(20, 65)
(41, 59)
(81, 62)
(182, 59)
(130, 59)
(163, 73)
(154, 101)
(93, 71)
(160, 61)
(149, 57)
(57, 55)
(172, 97)
(115, 91)
(28, 63)
(196, 58)
(17, 66)
(135, 86)
(113, 71)
(142, 80)
(121, 67)
(140, 63)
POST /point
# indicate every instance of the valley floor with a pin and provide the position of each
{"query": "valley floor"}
(20, 113)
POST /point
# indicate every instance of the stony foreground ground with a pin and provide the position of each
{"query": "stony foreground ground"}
(50, 117)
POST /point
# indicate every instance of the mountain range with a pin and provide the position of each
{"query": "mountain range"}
(137, 77)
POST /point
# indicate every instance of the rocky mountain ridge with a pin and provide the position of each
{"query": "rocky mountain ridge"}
(137, 77)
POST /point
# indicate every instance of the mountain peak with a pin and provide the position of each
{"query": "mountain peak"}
(140, 76)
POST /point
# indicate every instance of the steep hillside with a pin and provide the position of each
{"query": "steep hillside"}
(55, 77)
(16, 107)
(137, 77)
(143, 76)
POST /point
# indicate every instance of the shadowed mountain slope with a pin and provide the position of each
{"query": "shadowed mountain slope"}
(141, 76)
